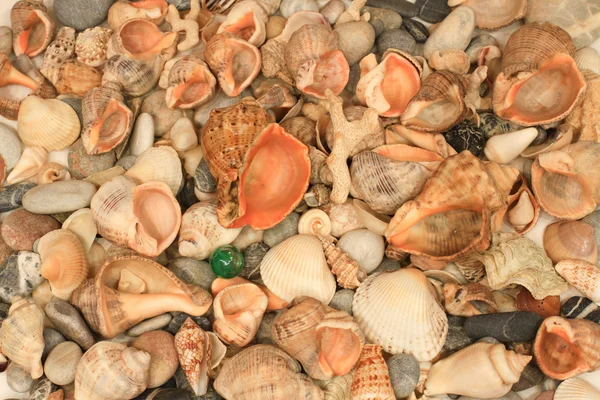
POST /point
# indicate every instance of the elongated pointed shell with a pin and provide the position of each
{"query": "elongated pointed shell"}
(194, 349)
(33, 29)
(417, 326)
(160, 164)
(348, 272)
(111, 370)
(28, 166)
(576, 389)
(297, 267)
(64, 262)
(21, 336)
(247, 20)
(482, 370)
(371, 379)
(140, 39)
(191, 84)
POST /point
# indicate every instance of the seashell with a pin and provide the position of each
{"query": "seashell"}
(111, 370)
(564, 348)
(389, 86)
(190, 83)
(314, 222)
(274, 302)
(505, 148)
(366, 247)
(195, 352)
(6, 40)
(107, 121)
(140, 39)
(349, 273)
(576, 389)
(33, 28)
(224, 54)
(495, 14)
(317, 195)
(291, 7)
(571, 168)
(547, 307)
(371, 379)
(264, 372)
(28, 165)
(124, 214)
(570, 240)
(297, 267)
(373, 221)
(418, 328)
(47, 123)
(482, 370)
(64, 262)
(454, 33)
(91, 44)
(123, 11)
(52, 172)
(303, 128)
(134, 77)
(435, 142)
(588, 58)
(238, 311)
(458, 299)
(385, 184)
(81, 223)
(246, 20)
(218, 6)
(183, 136)
(583, 119)
(456, 61)
(9, 75)
(189, 25)
(332, 10)
(523, 210)
(336, 388)
(548, 63)
(581, 274)
(158, 164)
(315, 62)
(21, 336)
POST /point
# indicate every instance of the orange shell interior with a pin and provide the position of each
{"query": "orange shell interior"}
(242, 67)
(437, 114)
(194, 90)
(111, 128)
(32, 40)
(274, 178)
(150, 4)
(340, 350)
(400, 84)
(244, 27)
(331, 71)
(144, 40)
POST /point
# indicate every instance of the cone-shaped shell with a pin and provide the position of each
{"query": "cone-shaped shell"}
(576, 389)
(160, 164)
(125, 214)
(483, 370)
(583, 275)
(191, 83)
(348, 272)
(123, 11)
(111, 370)
(194, 350)
(110, 302)
(246, 20)
(574, 240)
(28, 166)
(565, 348)
(33, 29)
(267, 373)
(47, 123)
(64, 262)
(140, 39)
(234, 61)
(398, 311)
(494, 14)
(238, 311)
(134, 77)
(371, 379)
(297, 267)
(21, 337)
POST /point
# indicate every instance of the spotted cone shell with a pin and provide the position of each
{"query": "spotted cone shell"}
(371, 379)
(194, 350)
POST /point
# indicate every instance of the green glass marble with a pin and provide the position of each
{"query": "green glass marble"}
(226, 261)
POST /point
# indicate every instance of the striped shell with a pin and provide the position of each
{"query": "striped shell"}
(194, 350)
(190, 83)
(26, 16)
(576, 389)
(371, 379)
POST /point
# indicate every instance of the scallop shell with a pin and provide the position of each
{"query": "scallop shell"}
(90, 46)
(246, 20)
(81, 223)
(28, 166)
(576, 389)
(26, 18)
(583, 275)
(494, 14)
(566, 240)
(158, 164)
(371, 379)
(21, 336)
(111, 370)
(47, 123)
(64, 262)
(297, 267)
(588, 58)
(190, 83)
(140, 39)
(194, 349)
(134, 77)
(418, 327)
(122, 11)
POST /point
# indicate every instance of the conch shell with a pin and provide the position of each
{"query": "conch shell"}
(371, 379)
(140, 39)
(191, 83)
(110, 370)
(194, 349)
(565, 348)
(125, 214)
(33, 28)
(21, 337)
(494, 14)
(538, 55)
(584, 276)
(247, 20)
(483, 370)
(110, 302)
(458, 298)
(566, 182)
(123, 11)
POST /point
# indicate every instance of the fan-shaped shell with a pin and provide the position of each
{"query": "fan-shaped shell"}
(140, 39)
(576, 389)
(134, 77)
(588, 58)
(123, 11)
(246, 20)
(371, 379)
(387, 317)
(297, 267)
(191, 83)
(33, 28)
(160, 164)
(494, 14)
(566, 240)
(194, 349)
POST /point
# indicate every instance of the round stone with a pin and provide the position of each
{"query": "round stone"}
(11, 197)
(76, 104)
(253, 255)
(82, 14)
(59, 196)
(67, 321)
(416, 29)
(22, 228)
(61, 363)
(193, 272)
(404, 373)
(127, 162)
(52, 338)
(18, 379)
(163, 356)
(398, 39)
(205, 182)
(377, 25)
(226, 261)
(342, 300)
(582, 308)
(264, 334)
(387, 265)
(466, 136)
(391, 20)
(283, 230)
(151, 324)
(355, 40)
(405, 8)
(19, 275)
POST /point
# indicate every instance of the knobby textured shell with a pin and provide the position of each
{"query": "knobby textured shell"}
(348, 272)
(190, 83)
(398, 311)
(583, 119)
(134, 77)
(33, 28)
(91, 44)
(371, 379)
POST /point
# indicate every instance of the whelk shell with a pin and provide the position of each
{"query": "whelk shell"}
(90, 46)
(140, 39)
(494, 14)
(371, 379)
(133, 77)
(158, 164)
(122, 11)
(9, 75)
(247, 20)
(33, 28)
(190, 83)
(570, 240)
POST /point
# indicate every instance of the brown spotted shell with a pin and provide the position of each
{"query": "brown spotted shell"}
(194, 350)
(29, 37)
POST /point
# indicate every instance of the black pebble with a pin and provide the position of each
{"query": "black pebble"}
(517, 326)
(11, 197)
(530, 377)
(433, 10)
(466, 136)
(416, 29)
(402, 7)
(180, 317)
(187, 197)
(581, 308)
(457, 338)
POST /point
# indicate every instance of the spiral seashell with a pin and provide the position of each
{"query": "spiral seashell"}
(371, 378)
(52, 172)
(81, 223)
(523, 209)
(588, 58)
(583, 275)
(246, 20)
(158, 164)
(458, 298)
(64, 262)
(125, 214)
(234, 61)
(47, 123)
(111, 370)
(576, 389)
(61, 50)
(303, 128)
(418, 328)
(28, 166)
(33, 28)
(314, 222)
(480, 370)
(190, 83)
(134, 77)
(140, 39)
(570, 240)
(9, 75)
(201, 232)
(123, 11)
(349, 274)
(238, 311)
(341, 341)
(194, 349)
(21, 336)
(90, 46)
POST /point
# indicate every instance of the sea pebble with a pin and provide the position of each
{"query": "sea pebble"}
(19, 275)
(22, 228)
(67, 321)
(581, 308)
(342, 300)
(163, 117)
(332, 10)
(354, 77)
(180, 317)
(11, 148)
(181, 5)
(18, 379)
(4, 307)
(391, 19)
(187, 195)
(517, 326)
(433, 10)
(541, 136)
(387, 265)
(404, 373)
(253, 255)
(59, 196)
(466, 136)
(171, 393)
(205, 182)
(492, 125)
(42, 389)
(264, 334)
(398, 39)
(163, 356)
(62, 362)
(81, 14)
(364, 246)
(283, 230)
(127, 161)
(220, 100)
(76, 104)
(150, 324)
(454, 33)
(416, 29)
(142, 137)
(5, 250)
(378, 27)
(275, 25)
(530, 377)
(355, 40)
(183, 136)
(11, 197)
(405, 8)
(193, 272)
(82, 165)
(52, 338)
(457, 337)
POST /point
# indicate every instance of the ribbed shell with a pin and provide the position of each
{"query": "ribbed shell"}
(194, 350)
(61, 50)
(588, 58)
(64, 262)
(303, 128)
(297, 267)
(160, 164)
(347, 271)
(565, 240)
(308, 43)
(218, 6)
(385, 184)
(135, 77)
(190, 72)
(398, 311)
(21, 20)
(576, 389)
(371, 379)
(583, 275)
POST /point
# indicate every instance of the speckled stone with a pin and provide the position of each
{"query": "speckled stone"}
(42, 389)
(76, 104)
(83, 165)
(530, 377)
(67, 321)
(283, 230)
(342, 300)
(193, 272)
(387, 265)
(416, 29)
(398, 39)
(11, 197)
(82, 14)
(405, 8)
(150, 324)
(19, 275)
(492, 125)
(355, 40)
(391, 19)
(52, 338)
(433, 10)
(18, 379)
(581, 308)
(466, 136)
(264, 333)
(22, 228)
(457, 338)
(516, 326)
(205, 182)
(253, 255)
(404, 373)
(180, 317)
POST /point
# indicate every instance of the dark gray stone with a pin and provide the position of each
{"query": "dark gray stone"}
(180, 317)
(187, 196)
(283, 230)
(11, 197)
(353, 78)
(193, 272)
(18, 379)
(76, 104)
(516, 326)
(67, 321)
(581, 308)
(342, 300)
(398, 39)
(253, 255)
(264, 333)
(127, 161)
(541, 137)
(182, 383)
(52, 338)
(205, 182)
(19, 275)
(492, 125)
(378, 27)
(508, 396)
(180, 4)
(530, 377)
(404, 374)
(457, 338)
(387, 265)
(466, 136)
(433, 10)
(416, 29)
(4, 307)
(82, 14)
(170, 394)
(402, 7)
